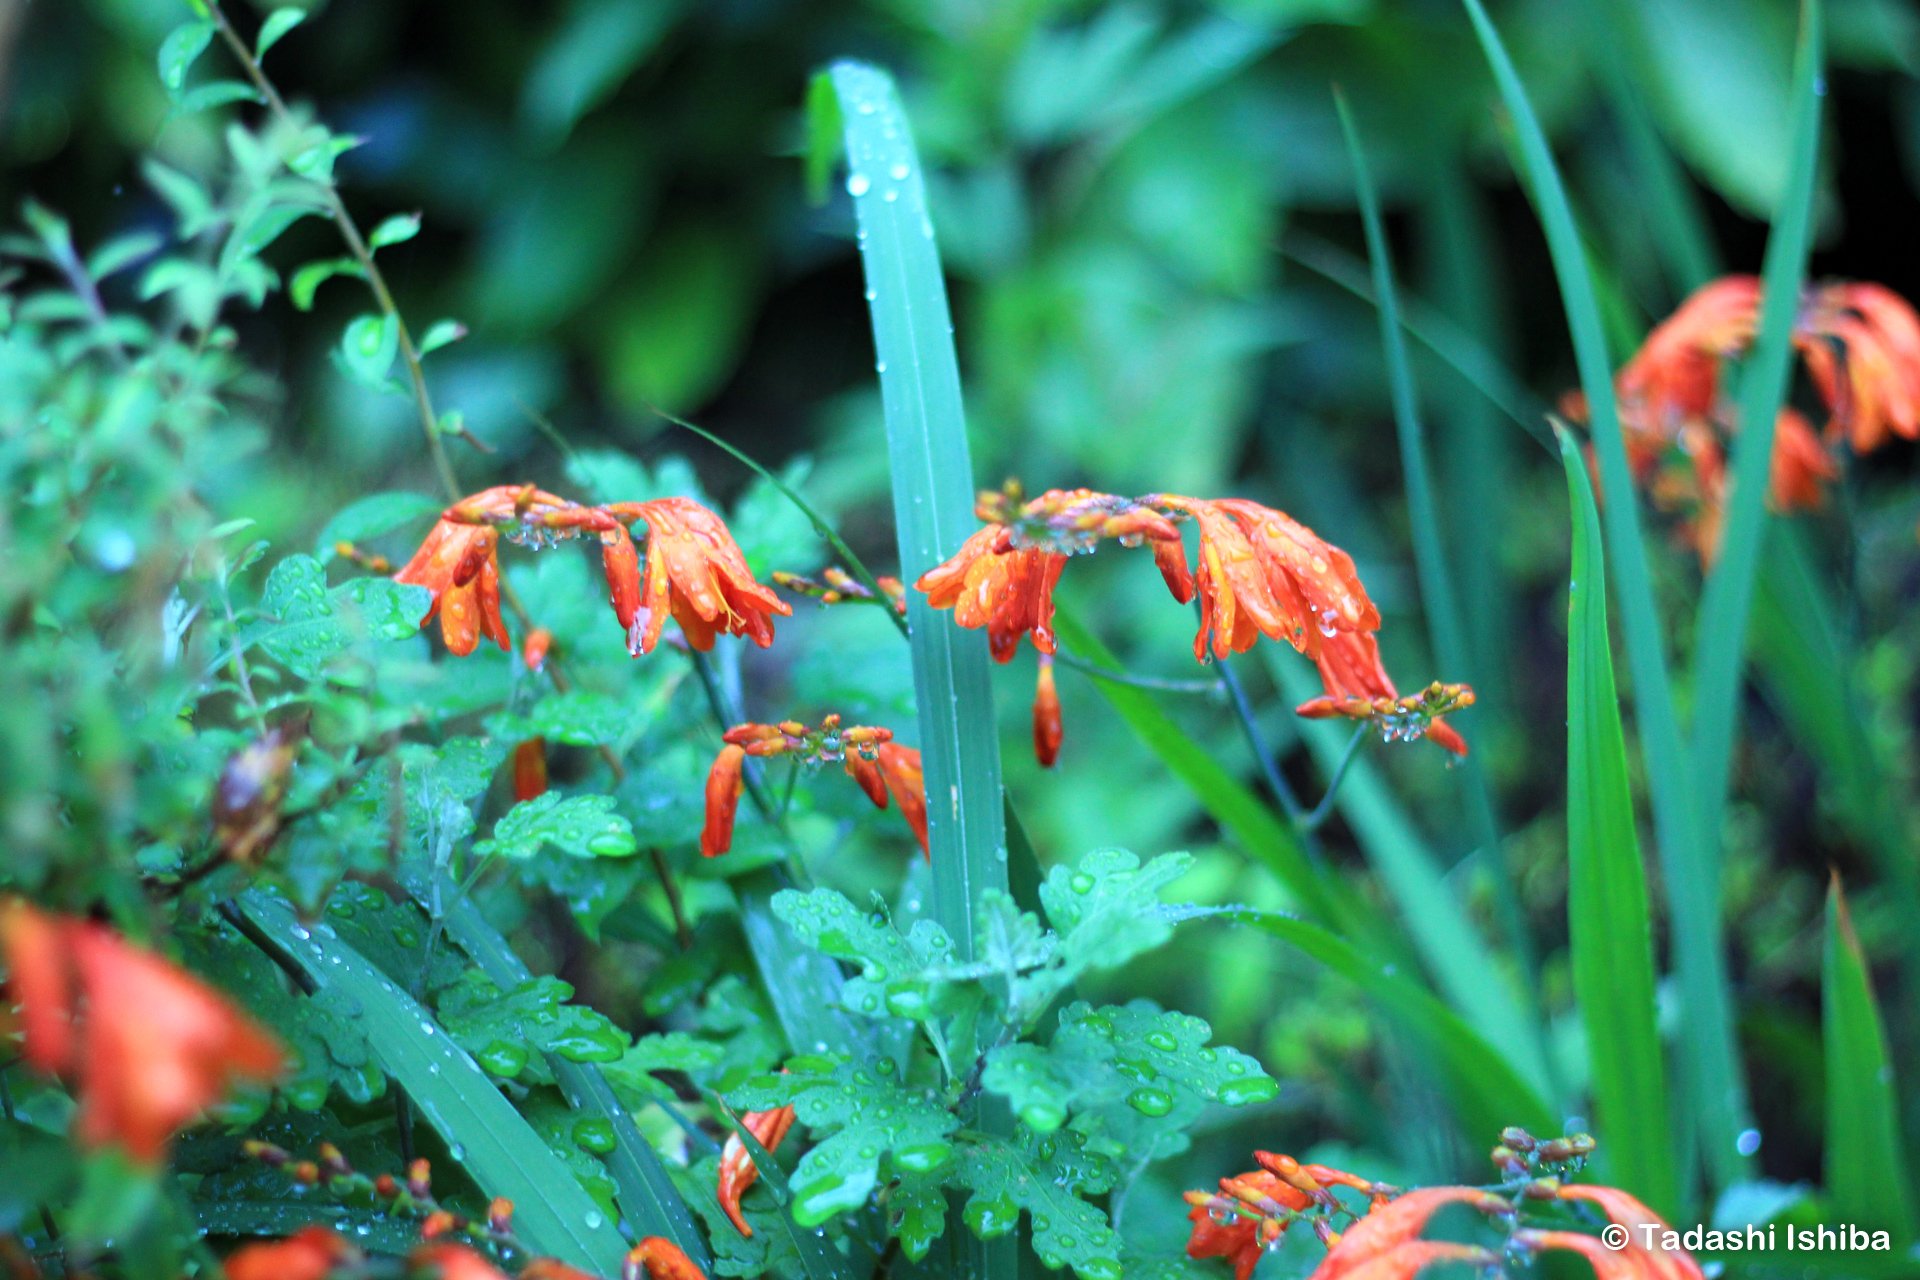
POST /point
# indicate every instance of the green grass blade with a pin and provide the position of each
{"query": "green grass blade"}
(1238, 811)
(1866, 1168)
(1486, 1092)
(552, 1212)
(1721, 639)
(821, 525)
(1463, 968)
(1719, 1091)
(932, 492)
(1608, 916)
(1438, 598)
(649, 1202)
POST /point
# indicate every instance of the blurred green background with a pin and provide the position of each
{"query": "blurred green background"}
(614, 203)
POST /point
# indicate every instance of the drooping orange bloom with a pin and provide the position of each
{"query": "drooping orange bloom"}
(1395, 1223)
(1861, 344)
(1621, 1208)
(1010, 593)
(530, 769)
(1675, 376)
(149, 1045)
(659, 1259)
(1359, 688)
(695, 573)
(880, 766)
(1221, 1230)
(308, 1254)
(459, 563)
(1047, 728)
(447, 1261)
(1801, 466)
(724, 783)
(737, 1170)
(1608, 1264)
(1264, 573)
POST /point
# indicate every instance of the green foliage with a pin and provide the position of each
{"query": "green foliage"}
(1866, 1165)
(581, 826)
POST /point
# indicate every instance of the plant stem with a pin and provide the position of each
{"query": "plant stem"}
(1324, 810)
(1243, 711)
(1164, 683)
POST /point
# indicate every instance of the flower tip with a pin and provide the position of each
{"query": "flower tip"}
(1048, 730)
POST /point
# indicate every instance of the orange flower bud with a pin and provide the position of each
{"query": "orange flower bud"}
(500, 1215)
(306, 1173)
(437, 1223)
(724, 784)
(1171, 557)
(530, 769)
(534, 651)
(622, 563)
(662, 1260)
(737, 1170)
(420, 1179)
(385, 1187)
(1047, 729)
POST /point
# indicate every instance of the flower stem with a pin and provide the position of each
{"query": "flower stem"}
(1163, 683)
(1324, 810)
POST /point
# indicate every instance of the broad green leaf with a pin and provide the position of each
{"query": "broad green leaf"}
(582, 826)
(894, 966)
(1608, 914)
(579, 717)
(122, 252)
(1046, 1174)
(1107, 907)
(215, 93)
(306, 281)
(633, 1075)
(395, 230)
(932, 490)
(597, 45)
(553, 1214)
(1129, 1079)
(1866, 1167)
(860, 1112)
(505, 1030)
(1487, 1094)
(310, 623)
(367, 349)
(1719, 1090)
(277, 24)
(371, 516)
(183, 45)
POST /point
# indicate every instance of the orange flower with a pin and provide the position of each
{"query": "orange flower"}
(452, 1262)
(1608, 1264)
(1404, 1261)
(1237, 604)
(151, 1046)
(1395, 1223)
(1009, 592)
(695, 572)
(661, 1259)
(1221, 1231)
(460, 565)
(1876, 334)
(308, 1254)
(1628, 1212)
(530, 769)
(900, 767)
(1801, 466)
(1359, 688)
(724, 783)
(737, 1170)
(1675, 376)
(622, 564)
(1047, 729)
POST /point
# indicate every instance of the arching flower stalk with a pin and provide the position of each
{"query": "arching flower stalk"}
(695, 573)
(882, 767)
(1260, 573)
(837, 586)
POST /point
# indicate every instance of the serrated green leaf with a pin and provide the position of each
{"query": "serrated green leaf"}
(895, 967)
(306, 281)
(440, 333)
(552, 1214)
(533, 1017)
(864, 1113)
(309, 623)
(397, 229)
(1131, 1078)
(1107, 907)
(579, 717)
(1045, 1175)
(1866, 1167)
(371, 516)
(277, 24)
(582, 826)
(632, 1074)
(183, 45)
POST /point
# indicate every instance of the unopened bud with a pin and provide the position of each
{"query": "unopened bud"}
(420, 1179)
(1542, 1189)
(385, 1187)
(306, 1173)
(1508, 1161)
(1324, 1229)
(500, 1215)
(1517, 1138)
(634, 1267)
(265, 1152)
(1575, 1146)
(437, 1224)
(333, 1162)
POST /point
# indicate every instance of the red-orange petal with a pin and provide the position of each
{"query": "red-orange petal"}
(663, 1260)
(724, 783)
(308, 1254)
(1047, 727)
(530, 769)
(900, 767)
(40, 980)
(1393, 1224)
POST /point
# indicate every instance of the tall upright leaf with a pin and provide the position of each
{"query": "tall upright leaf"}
(1720, 1095)
(932, 490)
(1608, 917)
(1721, 636)
(1866, 1163)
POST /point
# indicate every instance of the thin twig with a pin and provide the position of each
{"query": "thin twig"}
(357, 246)
(1165, 684)
(1324, 810)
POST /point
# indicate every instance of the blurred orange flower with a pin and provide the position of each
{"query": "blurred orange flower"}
(1626, 1211)
(150, 1045)
(1393, 1224)
(660, 1259)
(1010, 593)
(1359, 688)
(308, 1254)
(1047, 729)
(737, 1170)
(724, 783)
(1861, 344)
(460, 565)
(447, 1261)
